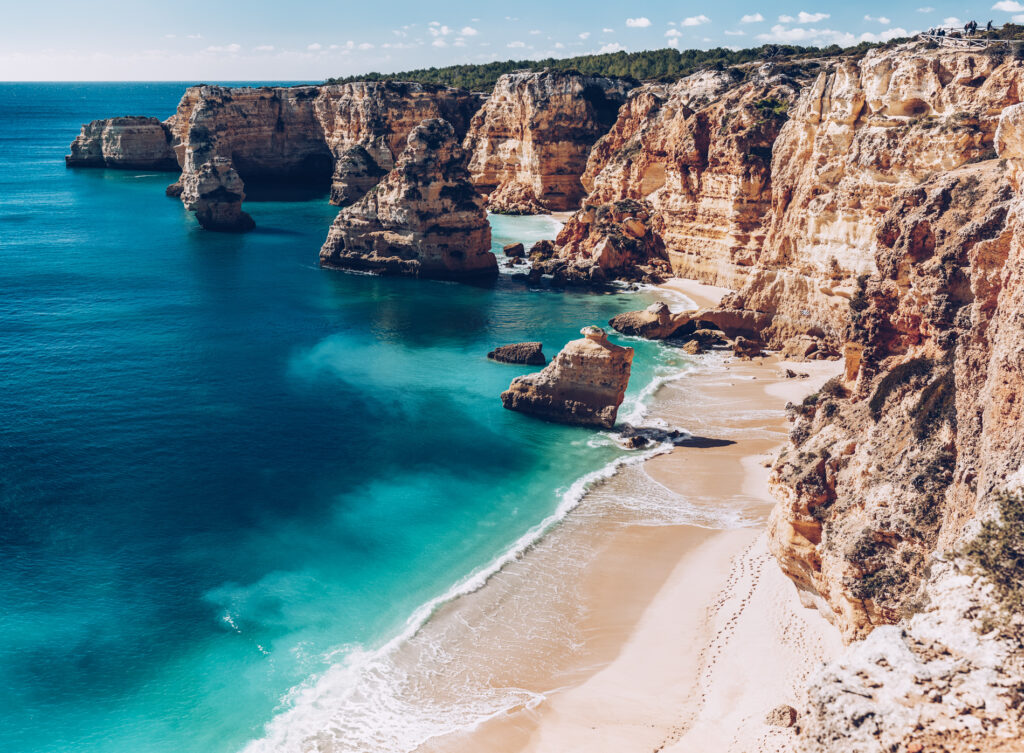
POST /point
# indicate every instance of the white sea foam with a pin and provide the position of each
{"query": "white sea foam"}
(357, 704)
(383, 699)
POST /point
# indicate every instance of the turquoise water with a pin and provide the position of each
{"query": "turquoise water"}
(223, 469)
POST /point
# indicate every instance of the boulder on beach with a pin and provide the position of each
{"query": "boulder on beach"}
(530, 353)
(514, 250)
(584, 384)
(655, 322)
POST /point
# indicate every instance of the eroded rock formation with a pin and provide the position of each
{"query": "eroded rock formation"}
(530, 141)
(656, 322)
(864, 131)
(893, 465)
(128, 143)
(531, 354)
(607, 242)
(584, 384)
(346, 137)
(423, 219)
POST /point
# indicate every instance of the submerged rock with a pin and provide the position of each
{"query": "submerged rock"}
(127, 143)
(423, 220)
(529, 353)
(584, 384)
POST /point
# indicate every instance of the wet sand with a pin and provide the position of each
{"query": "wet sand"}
(687, 634)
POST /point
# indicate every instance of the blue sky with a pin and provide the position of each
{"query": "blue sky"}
(314, 39)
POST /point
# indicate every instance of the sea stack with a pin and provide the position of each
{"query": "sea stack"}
(126, 143)
(584, 384)
(424, 219)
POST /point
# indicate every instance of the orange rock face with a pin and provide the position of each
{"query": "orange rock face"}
(424, 219)
(863, 132)
(346, 137)
(584, 384)
(698, 154)
(529, 142)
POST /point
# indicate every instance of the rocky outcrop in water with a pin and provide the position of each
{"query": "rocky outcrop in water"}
(584, 384)
(529, 142)
(531, 354)
(424, 219)
(215, 193)
(127, 143)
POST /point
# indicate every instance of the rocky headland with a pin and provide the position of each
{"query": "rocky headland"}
(423, 219)
(584, 384)
(127, 143)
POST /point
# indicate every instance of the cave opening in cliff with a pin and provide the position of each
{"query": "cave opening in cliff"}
(305, 179)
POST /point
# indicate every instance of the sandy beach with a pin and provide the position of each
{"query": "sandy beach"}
(690, 633)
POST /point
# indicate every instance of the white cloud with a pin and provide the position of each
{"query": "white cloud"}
(752, 18)
(611, 47)
(468, 31)
(786, 19)
(737, 33)
(459, 42)
(232, 48)
(952, 21)
(168, 36)
(535, 31)
(1010, 6)
(516, 45)
(585, 35)
(884, 36)
(313, 47)
(780, 33)
(606, 30)
(366, 46)
(559, 46)
(673, 42)
(434, 23)
(1018, 19)
(673, 33)
(437, 30)
(195, 36)
(264, 48)
(638, 23)
(696, 20)
(439, 43)
(926, 9)
(811, 18)
(880, 19)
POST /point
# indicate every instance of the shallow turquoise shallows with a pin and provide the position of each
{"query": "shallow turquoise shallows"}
(222, 467)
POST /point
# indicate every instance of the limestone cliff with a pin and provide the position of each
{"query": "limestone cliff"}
(128, 143)
(864, 131)
(584, 384)
(892, 469)
(345, 136)
(424, 219)
(530, 141)
(697, 155)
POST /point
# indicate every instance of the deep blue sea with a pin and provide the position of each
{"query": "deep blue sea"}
(222, 468)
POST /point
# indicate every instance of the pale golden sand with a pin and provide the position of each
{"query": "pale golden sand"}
(686, 636)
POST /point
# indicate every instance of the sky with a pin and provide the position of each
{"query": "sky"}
(309, 40)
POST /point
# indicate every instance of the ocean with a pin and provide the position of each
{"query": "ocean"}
(228, 477)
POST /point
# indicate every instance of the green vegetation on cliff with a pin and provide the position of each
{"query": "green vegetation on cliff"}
(650, 65)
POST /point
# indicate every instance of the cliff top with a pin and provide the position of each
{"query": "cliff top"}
(648, 65)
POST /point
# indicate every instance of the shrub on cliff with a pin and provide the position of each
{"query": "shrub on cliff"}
(648, 65)
(997, 554)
